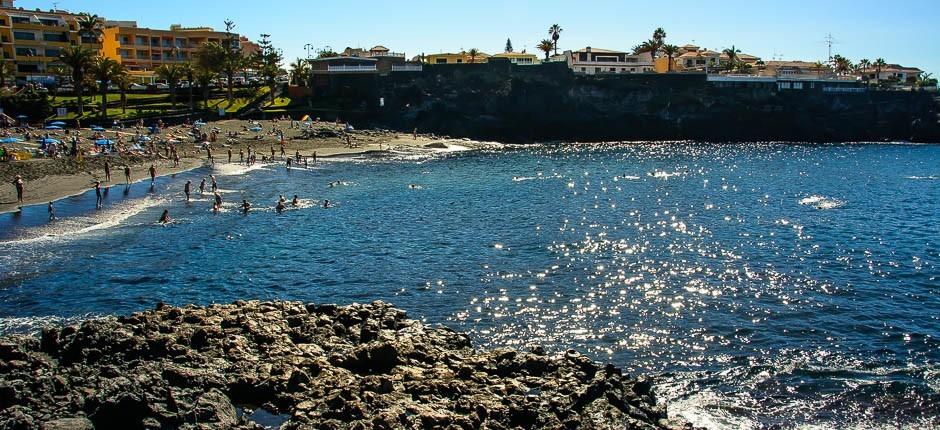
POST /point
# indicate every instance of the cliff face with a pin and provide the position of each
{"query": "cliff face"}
(302, 366)
(539, 103)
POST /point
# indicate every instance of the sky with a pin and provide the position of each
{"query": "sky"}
(904, 32)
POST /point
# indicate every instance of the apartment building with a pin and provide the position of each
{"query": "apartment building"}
(32, 40)
(595, 61)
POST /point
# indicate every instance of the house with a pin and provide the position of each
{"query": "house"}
(375, 52)
(795, 69)
(462, 57)
(343, 65)
(893, 73)
(519, 58)
(699, 59)
(595, 61)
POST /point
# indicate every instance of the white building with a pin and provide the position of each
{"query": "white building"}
(594, 61)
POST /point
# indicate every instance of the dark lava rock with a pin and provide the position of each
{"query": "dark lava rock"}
(311, 366)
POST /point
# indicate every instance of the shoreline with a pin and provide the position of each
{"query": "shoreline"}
(55, 186)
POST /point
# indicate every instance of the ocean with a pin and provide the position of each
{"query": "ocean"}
(762, 285)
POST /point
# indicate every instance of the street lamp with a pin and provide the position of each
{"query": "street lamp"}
(308, 47)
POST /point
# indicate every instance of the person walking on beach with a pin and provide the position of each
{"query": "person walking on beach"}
(18, 184)
(107, 171)
(186, 189)
(51, 212)
(414, 134)
(127, 174)
(230, 155)
(314, 157)
(272, 152)
(153, 174)
(99, 202)
(209, 155)
(241, 155)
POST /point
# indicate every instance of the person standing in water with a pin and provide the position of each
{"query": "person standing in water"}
(51, 212)
(107, 171)
(18, 184)
(202, 186)
(153, 174)
(218, 199)
(127, 174)
(98, 200)
(165, 218)
(187, 188)
(295, 202)
(209, 155)
(280, 206)
(246, 206)
(215, 185)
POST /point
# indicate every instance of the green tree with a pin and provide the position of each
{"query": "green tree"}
(78, 59)
(841, 65)
(879, 65)
(473, 53)
(670, 51)
(546, 46)
(647, 46)
(732, 54)
(508, 45)
(89, 26)
(268, 61)
(123, 82)
(659, 40)
(818, 67)
(104, 71)
(555, 32)
(205, 65)
(7, 71)
(172, 74)
(232, 59)
(926, 80)
(299, 72)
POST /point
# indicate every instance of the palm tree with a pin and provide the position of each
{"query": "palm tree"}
(863, 66)
(925, 79)
(105, 70)
(648, 46)
(546, 46)
(171, 73)
(670, 51)
(819, 66)
(659, 39)
(89, 26)
(6, 72)
(555, 31)
(186, 71)
(77, 59)
(123, 82)
(298, 72)
(879, 64)
(206, 69)
(841, 64)
(732, 54)
(473, 53)
(57, 73)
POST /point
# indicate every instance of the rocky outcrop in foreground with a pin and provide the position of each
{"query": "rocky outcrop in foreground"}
(253, 365)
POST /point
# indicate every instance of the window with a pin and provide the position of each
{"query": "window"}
(26, 68)
(3, 21)
(23, 35)
(440, 61)
(460, 60)
(53, 52)
(139, 40)
(613, 69)
(26, 51)
(783, 85)
(583, 70)
(597, 70)
(49, 21)
(20, 20)
(55, 37)
(797, 85)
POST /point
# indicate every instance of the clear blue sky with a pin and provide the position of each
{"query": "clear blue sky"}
(904, 32)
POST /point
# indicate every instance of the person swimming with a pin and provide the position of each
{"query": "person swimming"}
(295, 202)
(327, 204)
(280, 207)
(246, 206)
(281, 199)
(165, 218)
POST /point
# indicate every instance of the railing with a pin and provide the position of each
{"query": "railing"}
(389, 54)
(408, 68)
(370, 68)
(843, 90)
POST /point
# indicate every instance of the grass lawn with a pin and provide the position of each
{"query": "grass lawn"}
(155, 104)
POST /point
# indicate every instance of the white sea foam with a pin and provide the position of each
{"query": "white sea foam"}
(72, 227)
(929, 178)
(26, 325)
(821, 202)
(231, 169)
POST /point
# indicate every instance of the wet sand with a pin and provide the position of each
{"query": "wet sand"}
(49, 180)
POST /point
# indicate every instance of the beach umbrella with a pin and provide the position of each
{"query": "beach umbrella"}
(47, 140)
(104, 142)
(10, 140)
(58, 123)
(97, 128)
(143, 139)
(22, 117)
(53, 127)
(255, 129)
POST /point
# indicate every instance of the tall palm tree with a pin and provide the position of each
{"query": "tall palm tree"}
(659, 39)
(546, 46)
(298, 72)
(863, 66)
(670, 51)
(732, 54)
(473, 53)
(78, 59)
(172, 74)
(123, 82)
(841, 64)
(105, 70)
(879, 65)
(6, 72)
(925, 79)
(89, 25)
(555, 32)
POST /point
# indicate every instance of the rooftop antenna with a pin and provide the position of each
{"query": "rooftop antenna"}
(55, 5)
(829, 42)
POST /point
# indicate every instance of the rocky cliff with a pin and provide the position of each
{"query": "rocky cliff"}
(253, 365)
(544, 103)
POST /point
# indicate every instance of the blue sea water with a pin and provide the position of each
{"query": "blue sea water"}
(764, 284)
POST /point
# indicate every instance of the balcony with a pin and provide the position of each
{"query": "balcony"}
(408, 68)
(352, 69)
(388, 54)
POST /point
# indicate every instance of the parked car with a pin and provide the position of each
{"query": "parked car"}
(160, 86)
(137, 87)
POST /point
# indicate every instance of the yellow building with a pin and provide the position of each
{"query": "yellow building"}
(141, 50)
(520, 58)
(462, 57)
(32, 40)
